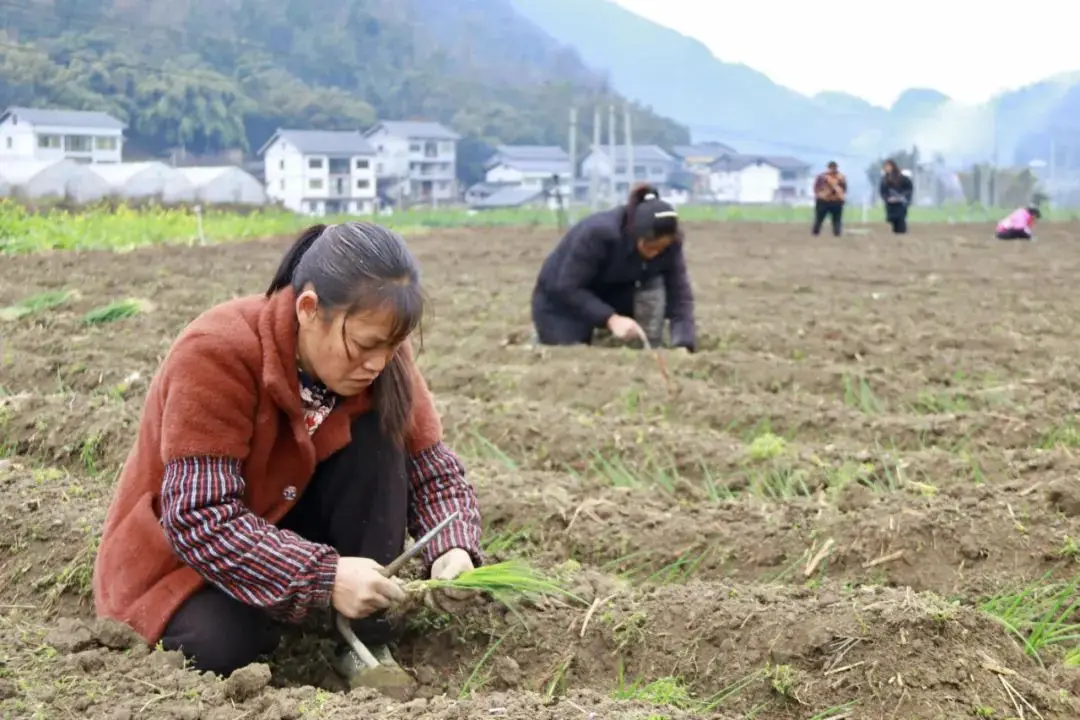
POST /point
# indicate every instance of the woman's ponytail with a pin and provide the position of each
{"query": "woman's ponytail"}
(639, 194)
(284, 275)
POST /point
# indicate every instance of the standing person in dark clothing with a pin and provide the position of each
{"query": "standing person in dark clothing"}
(622, 269)
(896, 191)
(830, 192)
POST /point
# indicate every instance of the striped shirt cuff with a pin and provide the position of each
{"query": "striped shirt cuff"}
(439, 487)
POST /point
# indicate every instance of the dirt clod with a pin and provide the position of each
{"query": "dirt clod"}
(166, 659)
(507, 671)
(1064, 496)
(247, 682)
(116, 635)
(70, 636)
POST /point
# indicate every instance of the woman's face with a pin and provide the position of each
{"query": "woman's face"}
(345, 353)
(649, 249)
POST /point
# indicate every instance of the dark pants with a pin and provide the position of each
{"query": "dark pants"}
(824, 209)
(357, 503)
(1013, 234)
(556, 325)
(897, 217)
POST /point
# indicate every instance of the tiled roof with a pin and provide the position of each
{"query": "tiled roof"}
(65, 118)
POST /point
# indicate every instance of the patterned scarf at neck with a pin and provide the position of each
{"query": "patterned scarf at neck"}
(316, 399)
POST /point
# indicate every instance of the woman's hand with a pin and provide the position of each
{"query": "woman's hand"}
(360, 589)
(625, 328)
(447, 567)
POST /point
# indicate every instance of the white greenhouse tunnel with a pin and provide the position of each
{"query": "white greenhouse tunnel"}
(138, 181)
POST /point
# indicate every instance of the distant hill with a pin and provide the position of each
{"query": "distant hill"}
(216, 74)
(679, 77)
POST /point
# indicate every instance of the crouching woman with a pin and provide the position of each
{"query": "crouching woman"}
(1019, 224)
(622, 269)
(287, 444)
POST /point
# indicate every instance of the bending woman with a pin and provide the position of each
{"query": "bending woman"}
(1019, 224)
(622, 269)
(286, 444)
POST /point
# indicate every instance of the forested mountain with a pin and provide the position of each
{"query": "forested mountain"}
(210, 75)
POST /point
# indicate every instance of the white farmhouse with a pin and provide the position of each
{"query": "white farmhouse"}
(320, 172)
(753, 180)
(52, 135)
(530, 166)
(696, 160)
(417, 161)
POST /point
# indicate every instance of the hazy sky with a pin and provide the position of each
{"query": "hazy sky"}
(938, 41)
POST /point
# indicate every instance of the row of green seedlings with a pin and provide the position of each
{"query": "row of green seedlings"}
(56, 299)
(651, 568)
(672, 692)
(510, 581)
(859, 395)
(769, 471)
(766, 474)
(645, 567)
(764, 477)
(1042, 615)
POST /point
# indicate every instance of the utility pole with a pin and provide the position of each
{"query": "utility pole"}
(572, 146)
(628, 137)
(994, 194)
(613, 195)
(594, 175)
(1052, 184)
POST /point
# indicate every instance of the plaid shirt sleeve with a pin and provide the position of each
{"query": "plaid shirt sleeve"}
(438, 487)
(210, 528)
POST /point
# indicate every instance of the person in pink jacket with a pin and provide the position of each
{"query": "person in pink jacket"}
(1019, 225)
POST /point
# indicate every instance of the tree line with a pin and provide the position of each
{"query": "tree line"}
(214, 75)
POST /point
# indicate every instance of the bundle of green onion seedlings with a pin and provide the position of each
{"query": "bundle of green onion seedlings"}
(505, 582)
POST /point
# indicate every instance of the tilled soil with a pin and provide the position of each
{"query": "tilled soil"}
(876, 436)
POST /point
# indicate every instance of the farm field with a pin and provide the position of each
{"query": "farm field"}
(859, 499)
(120, 227)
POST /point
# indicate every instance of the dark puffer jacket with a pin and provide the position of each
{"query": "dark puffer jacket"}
(596, 268)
